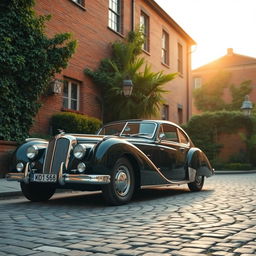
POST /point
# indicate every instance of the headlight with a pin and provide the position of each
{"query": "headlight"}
(19, 166)
(81, 167)
(79, 151)
(32, 152)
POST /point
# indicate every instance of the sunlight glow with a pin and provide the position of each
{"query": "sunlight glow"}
(215, 25)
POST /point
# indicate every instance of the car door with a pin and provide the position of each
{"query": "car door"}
(172, 153)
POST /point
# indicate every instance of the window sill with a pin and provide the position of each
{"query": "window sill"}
(166, 65)
(181, 75)
(71, 111)
(148, 53)
(78, 5)
(119, 34)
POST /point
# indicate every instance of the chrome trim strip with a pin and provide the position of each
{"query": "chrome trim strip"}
(87, 179)
(46, 151)
(60, 175)
(26, 174)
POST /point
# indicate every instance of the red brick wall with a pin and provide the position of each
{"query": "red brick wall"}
(177, 89)
(89, 27)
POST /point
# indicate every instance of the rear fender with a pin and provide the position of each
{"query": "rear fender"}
(198, 161)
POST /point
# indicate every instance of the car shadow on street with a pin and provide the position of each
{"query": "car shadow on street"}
(96, 199)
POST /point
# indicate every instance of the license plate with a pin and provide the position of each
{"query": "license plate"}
(44, 177)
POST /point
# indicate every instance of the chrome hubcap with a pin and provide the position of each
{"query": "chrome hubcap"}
(199, 179)
(122, 181)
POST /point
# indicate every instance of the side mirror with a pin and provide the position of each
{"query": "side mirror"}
(162, 136)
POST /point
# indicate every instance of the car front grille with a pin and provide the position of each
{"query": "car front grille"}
(58, 151)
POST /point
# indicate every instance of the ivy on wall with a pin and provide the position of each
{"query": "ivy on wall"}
(28, 62)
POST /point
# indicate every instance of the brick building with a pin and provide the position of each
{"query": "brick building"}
(240, 68)
(95, 24)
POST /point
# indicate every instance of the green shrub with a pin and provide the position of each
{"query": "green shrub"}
(74, 123)
(205, 129)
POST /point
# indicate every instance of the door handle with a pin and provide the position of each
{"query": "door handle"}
(182, 149)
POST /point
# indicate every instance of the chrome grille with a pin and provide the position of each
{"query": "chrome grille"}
(57, 152)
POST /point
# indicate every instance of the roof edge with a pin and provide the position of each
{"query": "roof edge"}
(168, 18)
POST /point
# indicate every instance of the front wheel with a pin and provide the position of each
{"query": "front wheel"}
(37, 192)
(121, 188)
(197, 184)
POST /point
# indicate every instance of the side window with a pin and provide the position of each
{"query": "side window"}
(183, 137)
(169, 133)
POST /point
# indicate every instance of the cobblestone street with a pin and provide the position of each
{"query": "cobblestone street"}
(220, 220)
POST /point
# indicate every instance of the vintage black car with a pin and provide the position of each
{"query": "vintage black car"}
(123, 157)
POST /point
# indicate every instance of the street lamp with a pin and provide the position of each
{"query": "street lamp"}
(246, 106)
(127, 87)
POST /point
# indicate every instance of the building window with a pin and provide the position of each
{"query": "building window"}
(165, 48)
(144, 24)
(114, 15)
(180, 58)
(197, 82)
(165, 112)
(79, 2)
(71, 94)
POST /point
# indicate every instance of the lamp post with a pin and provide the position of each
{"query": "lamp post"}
(127, 87)
(246, 106)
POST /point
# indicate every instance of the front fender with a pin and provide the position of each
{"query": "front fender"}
(196, 159)
(109, 150)
(20, 154)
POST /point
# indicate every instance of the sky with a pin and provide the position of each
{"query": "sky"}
(215, 25)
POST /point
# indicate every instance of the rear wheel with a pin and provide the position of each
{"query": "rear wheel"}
(121, 188)
(37, 192)
(197, 184)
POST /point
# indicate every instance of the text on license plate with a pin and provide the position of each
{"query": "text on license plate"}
(44, 177)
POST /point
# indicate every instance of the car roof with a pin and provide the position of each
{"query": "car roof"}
(143, 120)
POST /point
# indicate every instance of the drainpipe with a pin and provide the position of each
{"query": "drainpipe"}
(133, 15)
(188, 81)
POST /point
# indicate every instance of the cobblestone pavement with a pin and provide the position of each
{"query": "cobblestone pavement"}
(220, 220)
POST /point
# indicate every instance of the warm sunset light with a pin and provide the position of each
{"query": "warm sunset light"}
(215, 25)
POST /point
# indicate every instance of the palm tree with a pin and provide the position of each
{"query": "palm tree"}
(147, 96)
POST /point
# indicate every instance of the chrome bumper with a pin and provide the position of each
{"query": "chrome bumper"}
(64, 178)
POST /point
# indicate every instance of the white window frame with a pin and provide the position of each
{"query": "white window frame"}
(116, 26)
(165, 47)
(180, 58)
(70, 82)
(144, 25)
(79, 2)
(197, 82)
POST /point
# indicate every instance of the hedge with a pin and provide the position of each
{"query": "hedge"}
(74, 123)
(204, 129)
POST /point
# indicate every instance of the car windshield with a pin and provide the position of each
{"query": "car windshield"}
(130, 129)
(112, 129)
